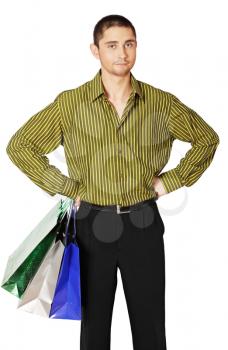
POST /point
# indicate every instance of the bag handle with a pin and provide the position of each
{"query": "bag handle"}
(72, 214)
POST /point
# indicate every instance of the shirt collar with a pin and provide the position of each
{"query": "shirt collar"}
(97, 89)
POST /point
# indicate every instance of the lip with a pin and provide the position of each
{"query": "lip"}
(121, 64)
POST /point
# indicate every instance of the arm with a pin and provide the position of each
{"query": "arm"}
(40, 135)
(186, 125)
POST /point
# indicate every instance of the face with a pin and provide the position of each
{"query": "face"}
(117, 50)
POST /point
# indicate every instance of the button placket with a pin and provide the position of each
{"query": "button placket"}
(119, 161)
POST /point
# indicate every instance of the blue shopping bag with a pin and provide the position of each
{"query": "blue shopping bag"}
(66, 302)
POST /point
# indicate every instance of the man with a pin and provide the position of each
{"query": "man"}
(117, 133)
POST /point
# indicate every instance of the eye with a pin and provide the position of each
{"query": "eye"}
(129, 44)
(112, 45)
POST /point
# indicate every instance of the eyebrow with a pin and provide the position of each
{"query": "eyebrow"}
(115, 42)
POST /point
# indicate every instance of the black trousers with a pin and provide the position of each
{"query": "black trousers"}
(132, 242)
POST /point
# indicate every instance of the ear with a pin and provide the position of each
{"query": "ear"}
(95, 51)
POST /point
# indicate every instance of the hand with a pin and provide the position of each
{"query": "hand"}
(158, 186)
(77, 202)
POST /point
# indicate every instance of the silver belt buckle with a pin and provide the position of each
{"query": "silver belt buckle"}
(121, 212)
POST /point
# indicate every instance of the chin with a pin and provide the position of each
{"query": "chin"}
(122, 69)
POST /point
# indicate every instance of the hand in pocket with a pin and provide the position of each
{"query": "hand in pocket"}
(158, 187)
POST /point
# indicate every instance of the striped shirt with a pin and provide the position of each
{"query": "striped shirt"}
(112, 160)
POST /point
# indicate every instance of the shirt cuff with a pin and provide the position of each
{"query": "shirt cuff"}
(171, 180)
(70, 188)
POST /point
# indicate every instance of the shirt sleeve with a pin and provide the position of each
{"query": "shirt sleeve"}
(28, 147)
(186, 125)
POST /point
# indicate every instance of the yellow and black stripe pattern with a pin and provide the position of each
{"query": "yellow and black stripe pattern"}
(112, 160)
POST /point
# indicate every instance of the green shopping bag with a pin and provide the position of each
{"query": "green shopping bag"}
(24, 262)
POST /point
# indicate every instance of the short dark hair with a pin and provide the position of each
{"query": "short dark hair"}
(107, 22)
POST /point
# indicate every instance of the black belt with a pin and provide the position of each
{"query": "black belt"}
(120, 209)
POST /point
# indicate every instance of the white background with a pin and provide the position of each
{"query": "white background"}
(182, 48)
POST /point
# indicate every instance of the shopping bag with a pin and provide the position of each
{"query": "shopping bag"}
(67, 297)
(39, 293)
(24, 262)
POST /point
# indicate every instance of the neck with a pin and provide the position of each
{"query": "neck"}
(117, 88)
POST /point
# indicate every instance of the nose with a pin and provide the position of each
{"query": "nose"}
(122, 52)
